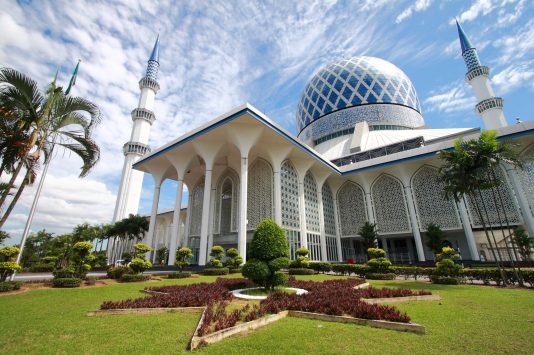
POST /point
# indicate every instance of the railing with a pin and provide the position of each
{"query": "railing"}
(493, 102)
(144, 114)
(136, 148)
(149, 83)
(478, 71)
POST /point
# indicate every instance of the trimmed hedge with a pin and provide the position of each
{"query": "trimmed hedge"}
(179, 275)
(7, 286)
(380, 276)
(320, 266)
(235, 270)
(446, 280)
(134, 278)
(42, 268)
(216, 271)
(350, 269)
(301, 271)
(116, 272)
(66, 282)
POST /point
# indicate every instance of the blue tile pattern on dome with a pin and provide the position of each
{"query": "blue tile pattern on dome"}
(353, 82)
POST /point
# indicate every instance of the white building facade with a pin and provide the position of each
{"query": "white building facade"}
(362, 153)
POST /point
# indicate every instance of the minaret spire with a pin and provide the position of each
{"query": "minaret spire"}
(489, 107)
(143, 117)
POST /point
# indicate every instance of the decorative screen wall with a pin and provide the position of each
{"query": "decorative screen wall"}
(226, 203)
(527, 181)
(290, 196)
(260, 193)
(311, 203)
(328, 211)
(430, 201)
(196, 208)
(351, 202)
(488, 200)
(390, 205)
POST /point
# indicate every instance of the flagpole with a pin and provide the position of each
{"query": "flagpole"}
(26, 231)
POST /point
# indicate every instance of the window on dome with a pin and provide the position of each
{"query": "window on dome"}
(382, 80)
(344, 74)
(320, 103)
(368, 79)
(353, 81)
(326, 91)
(331, 79)
(377, 89)
(386, 98)
(371, 99)
(356, 100)
(362, 90)
(338, 85)
(347, 93)
(333, 97)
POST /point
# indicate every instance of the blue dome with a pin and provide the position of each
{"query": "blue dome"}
(355, 82)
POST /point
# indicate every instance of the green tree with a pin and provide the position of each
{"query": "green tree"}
(139, 262)
(434, 238)
(468, 170)
(3, 236)
(161, 255)
(524, 243)
(182, 258)
(82, 257)
(369, 235)
(8, 264)
(269, 252)
(39, 121)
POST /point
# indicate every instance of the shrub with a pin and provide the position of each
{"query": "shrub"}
(82, 258)
(216, 271)
(50, 259)
(66, 273)
(115, 272)
(434, 238)
(269, 252)
(302, 261)
(182, 257)
(235, 270)
(320, 266)
(375, 253)
(7, 286)
(66, 282)
(379, 265)
(179, 275)
(141, 249)
(233, 260)
(369, 235)
(139, 265)
(348, 269)
(161, 255)
(301, 271)
(134, 278)
(445, 280)
(380, 276)
(42, 268)
(215, 263)
(8, 265)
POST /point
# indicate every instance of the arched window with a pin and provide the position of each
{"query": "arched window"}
(351, 211)
(329, 223)
(226, 203)
(509, 205)
(390, 205)
(430, 201)
(195, 208)
(313, 228)
(260, 193)
(290, 205)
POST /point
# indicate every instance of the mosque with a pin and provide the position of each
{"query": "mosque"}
(362, 153)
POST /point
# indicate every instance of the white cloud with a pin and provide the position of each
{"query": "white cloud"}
(455, 97)
(417, 6)
(478, 7)
(513, 77)
(517, 46)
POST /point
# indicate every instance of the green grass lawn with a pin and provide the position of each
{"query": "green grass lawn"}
(469, 319)
(263, 292)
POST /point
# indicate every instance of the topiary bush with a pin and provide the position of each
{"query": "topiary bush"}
(179, 275)
(134, 278)
(447, 271)
(302, 261)
(269, 252)
(139, 262)
(115, 272)
(378, 267)
(217, 253)
(320, 266)
(8, 265)
(66, 273)
(66, 282)
(42, 268)
(182, 258)
(233, 259)
(375, 253)
(301, 271)
(380, 276)
(217, 271)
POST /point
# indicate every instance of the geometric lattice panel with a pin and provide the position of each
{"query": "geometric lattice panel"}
(527, 181)
(430, 201)
(351, 209)
(290, 196)
(311, 204)
(328, 209)
(195, 208)
(227, 202)
(260, 193)
(390, 206)
(494, 211)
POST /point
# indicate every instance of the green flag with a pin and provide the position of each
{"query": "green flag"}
(73, 78)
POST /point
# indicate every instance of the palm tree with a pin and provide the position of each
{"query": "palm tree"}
(132, 228)
(39, 122)
(469, 169)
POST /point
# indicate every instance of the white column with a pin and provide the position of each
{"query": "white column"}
(277, 195)
(242, 229)
(185, 241)
(212, 217)
(175, 236)
(324, 255)
(153, 216)
(338, 234)
(413, 221)
(302, 210)
(466, 224)
(522, 199)
(205, 218)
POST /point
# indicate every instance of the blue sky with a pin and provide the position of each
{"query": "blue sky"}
(216, 55)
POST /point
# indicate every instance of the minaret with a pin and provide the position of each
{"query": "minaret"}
(143, 117)
(489, 107)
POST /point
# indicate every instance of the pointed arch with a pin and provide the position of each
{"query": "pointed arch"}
(226, 203)
(389, 203)
(196, 200)
(260, 192)
(351, 208)
(430, 202)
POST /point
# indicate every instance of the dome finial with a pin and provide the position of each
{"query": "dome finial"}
(153, 63)
(155, 51)
(464, 41)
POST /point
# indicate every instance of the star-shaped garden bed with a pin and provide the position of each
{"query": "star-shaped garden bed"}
(332, 300)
